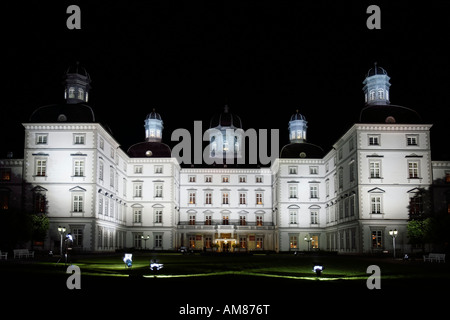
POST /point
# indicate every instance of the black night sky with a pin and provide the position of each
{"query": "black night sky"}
(188, 59)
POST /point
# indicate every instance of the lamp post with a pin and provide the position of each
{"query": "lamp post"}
(393, 234)
(308, 240)
(61, 231)
(145, 239)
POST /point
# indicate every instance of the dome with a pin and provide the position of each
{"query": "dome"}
(297, 116)
(226, 119)
(79, 112)
(376, 70)
(301, 150)
(77, 69)
(149, 149)
(389, 114)
(154, 115)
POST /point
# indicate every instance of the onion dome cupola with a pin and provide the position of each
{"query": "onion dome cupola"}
(77, 84)
(153, 127)
(297, 128)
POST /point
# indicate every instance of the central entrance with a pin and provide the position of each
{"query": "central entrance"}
(225, 243)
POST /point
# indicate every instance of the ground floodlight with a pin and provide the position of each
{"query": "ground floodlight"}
(154, 265)
(128, 259)
(318, 270)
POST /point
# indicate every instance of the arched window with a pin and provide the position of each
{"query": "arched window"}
(380, 94)
(71, 92)
(80, 94)
(372, 95)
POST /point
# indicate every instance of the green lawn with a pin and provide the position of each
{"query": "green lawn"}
(187, 277)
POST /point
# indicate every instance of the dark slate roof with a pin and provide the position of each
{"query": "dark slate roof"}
(389, 114)
(301, 150)
(78, 112)
(148, 149)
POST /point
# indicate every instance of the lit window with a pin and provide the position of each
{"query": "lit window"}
(191, 197)
(225, 198)
(80, 94)
(259, 198)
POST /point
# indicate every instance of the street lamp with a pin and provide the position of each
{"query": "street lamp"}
(61, 231)
(308, 240)
(393, 234)
(145, 239)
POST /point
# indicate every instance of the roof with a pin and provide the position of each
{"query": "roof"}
(389, 114)
(78, 112)
(148, 149)
(301, 150)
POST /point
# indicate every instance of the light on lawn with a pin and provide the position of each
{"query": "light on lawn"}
(318, 270)
(154, 265)
(128, 259)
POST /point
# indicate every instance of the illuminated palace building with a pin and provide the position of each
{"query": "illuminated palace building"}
(345, 200)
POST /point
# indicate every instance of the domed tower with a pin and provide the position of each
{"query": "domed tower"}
(299, 148)
(376, 86)
(378, 108)
(153, 145)
(297, 128)
(153, 127)
(77, 84)
(225, 141)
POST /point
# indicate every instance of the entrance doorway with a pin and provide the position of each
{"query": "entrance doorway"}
(226, 245)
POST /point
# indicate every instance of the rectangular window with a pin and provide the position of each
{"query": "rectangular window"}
(137, 215)
(259, 243)
(158, 169)
(377, 237)
(41, 138)
(158, 216)
(208, 220)
(158, 240)
(292, 170)
(314, 192)
(41, 167)
(242, 179)
(413, 169)
(78, 168)
(158, 190)
(314, 217)
(77, 203)
(192, 178)
(192, 219)
(79, 138)
(374, 140)
(225, 220)
(259, 179)
(225, 198)
(374, 168)
(375, 204)
(411, 140)
(225, 179)
(137, 190)
(292, 217)
(259, 198)
(5, 174)
(208, 179)
(192, 197)
(313, 170)
(259, 221)
(242, 221)
(138, 169)
(208, 197)
(292, 192)
(242, 198)
(293, 242)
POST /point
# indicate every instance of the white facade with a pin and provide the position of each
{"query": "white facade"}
(345, 201)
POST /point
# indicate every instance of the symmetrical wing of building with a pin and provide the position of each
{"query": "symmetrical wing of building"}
(343, 200)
